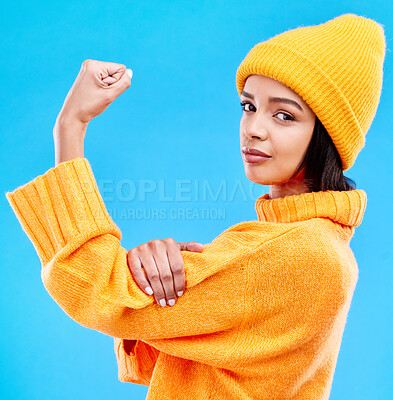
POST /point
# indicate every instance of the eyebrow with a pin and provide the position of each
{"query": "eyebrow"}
(275, 100)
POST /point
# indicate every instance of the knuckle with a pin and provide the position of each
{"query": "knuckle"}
(157, 244)
(88, 63)
(166, 277)
(143, 246)
(131, 252)
(170, 241)
(154, 276)
(153, 243)
(177, 268)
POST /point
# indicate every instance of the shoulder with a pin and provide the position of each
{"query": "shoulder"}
(310, 240)
(255, 233)
(307, 256)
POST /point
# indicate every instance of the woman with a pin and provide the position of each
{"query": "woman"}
(266, 302)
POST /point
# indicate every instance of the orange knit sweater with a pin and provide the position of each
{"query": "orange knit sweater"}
(265, 305)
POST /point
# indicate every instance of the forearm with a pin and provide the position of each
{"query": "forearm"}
(69, 136)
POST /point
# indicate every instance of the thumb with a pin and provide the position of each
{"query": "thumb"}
(190, 246)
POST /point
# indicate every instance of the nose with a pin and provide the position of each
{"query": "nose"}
(253, 130)
(254, 135)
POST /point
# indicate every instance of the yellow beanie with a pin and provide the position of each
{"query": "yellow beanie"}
(336, 67)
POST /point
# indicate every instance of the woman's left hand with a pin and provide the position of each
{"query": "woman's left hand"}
(158, 265)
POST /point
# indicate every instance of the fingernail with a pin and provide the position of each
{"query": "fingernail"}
(171, 302)
(163, 302)
(179, 293)
(129, 72)
(149, 290)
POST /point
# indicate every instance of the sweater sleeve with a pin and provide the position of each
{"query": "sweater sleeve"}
(136, 360)
(84, 267)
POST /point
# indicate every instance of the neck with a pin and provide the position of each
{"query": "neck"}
(290, 189)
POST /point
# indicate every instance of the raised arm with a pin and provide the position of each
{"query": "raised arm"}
(84, 267)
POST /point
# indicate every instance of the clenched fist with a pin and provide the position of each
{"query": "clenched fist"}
(96, 86)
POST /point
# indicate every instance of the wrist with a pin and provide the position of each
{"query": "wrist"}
(68, 134)
(68, 124)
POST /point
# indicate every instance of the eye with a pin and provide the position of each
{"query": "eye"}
(287, 115)
(244, 103)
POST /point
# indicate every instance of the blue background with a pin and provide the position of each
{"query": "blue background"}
(178, 120)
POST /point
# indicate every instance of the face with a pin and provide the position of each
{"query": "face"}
(281, 129)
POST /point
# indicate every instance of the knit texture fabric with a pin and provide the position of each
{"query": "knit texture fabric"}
(265, 305)
(337, 69)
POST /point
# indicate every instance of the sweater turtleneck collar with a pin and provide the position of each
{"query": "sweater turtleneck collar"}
(344, 207)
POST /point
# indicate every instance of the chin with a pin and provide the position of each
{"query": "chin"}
(263, 177)
(256, 177)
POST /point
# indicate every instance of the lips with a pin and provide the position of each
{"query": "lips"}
(255, 152)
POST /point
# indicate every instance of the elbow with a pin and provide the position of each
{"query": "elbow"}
(76, 296)
(93, 286)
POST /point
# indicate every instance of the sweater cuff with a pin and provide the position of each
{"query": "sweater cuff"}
(57, 206)
(135, 366)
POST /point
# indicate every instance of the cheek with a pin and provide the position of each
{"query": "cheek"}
(291, 145)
